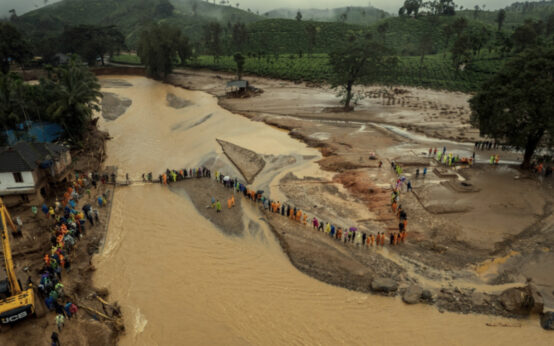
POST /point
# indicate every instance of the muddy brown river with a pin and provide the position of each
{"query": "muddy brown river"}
(180, 280)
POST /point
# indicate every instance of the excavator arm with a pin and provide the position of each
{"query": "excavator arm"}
(20, 303)
(14, 284)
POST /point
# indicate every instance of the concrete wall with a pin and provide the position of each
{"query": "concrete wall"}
(8, 185)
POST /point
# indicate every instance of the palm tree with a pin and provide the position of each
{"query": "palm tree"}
(10, 87)
(75, 95)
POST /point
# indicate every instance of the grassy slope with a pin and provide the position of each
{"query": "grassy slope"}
(355, 15)
(129, 15)
(286, 36)
(281, 39)
(436, 72)
(516, 13)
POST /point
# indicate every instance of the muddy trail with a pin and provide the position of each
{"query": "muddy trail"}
(98, 320)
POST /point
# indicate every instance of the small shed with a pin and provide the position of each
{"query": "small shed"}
(238, 85)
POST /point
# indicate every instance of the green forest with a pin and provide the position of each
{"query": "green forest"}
(436, 44)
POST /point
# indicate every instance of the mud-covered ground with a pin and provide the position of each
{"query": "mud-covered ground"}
(201, 190)
(473, 232)
(87, 328)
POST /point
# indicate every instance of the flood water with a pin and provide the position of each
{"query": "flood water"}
(182, 281)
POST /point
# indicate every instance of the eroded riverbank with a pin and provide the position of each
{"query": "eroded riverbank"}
(167, 137)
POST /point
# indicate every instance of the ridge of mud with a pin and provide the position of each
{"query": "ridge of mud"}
(248, 162)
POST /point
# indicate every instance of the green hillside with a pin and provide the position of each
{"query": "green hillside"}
(349, 15)
(221, 13)
(289, 36)
(284, 48)
(516, 13)
(130, 16)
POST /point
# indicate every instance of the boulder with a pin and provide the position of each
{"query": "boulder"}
(547, 320)
(537, 298)
(427, 295)
(522, 300)
(478, 299)
(412, 294)
(384, 285)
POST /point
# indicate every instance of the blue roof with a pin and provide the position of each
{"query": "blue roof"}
(43, 132)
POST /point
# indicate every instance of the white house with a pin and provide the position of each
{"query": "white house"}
(27, 169)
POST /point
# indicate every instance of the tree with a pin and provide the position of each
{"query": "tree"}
(357, 58)
(459, 26)
(550, 25)
(13, 15)
(425, 45)
(441, 7)
(461, 50)
(500, 18)
(525, 35)
(476, 10)
(447, 31)
(92, 42)
(184, 49)
(239, 36)
(412, 6)
(159, 46)
(239, 60)
(212, 39)
(10, 99)
(298, 16)
(12, 47)
(164, 9)
(75, 94)
(382, 30)
(311, 32)
(515, 106)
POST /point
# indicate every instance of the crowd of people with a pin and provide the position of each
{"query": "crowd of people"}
(340, 233)
(449, 159)
(67, 225)
(173, 176)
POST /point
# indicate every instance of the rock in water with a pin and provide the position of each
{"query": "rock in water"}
(427, 295)
(384, 285)
(547, 320)
(176, 102)
(412, 294)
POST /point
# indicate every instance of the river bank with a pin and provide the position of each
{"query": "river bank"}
(478, 225)
(87, 327)
(351, 190)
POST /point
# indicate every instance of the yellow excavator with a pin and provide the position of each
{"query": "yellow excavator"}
(15, 303)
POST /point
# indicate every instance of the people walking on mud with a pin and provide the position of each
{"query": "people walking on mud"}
(55, 339)
(60, 319)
